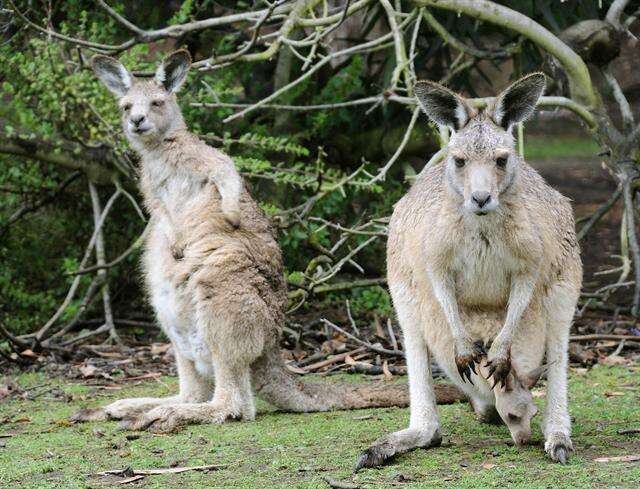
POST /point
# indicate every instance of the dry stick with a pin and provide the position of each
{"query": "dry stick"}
(136, 244)
(334, 359)
(13, 341)
(383, 171)
(88, 299)
(105, 328)
(375, 348)
(633, 241)
(101, 260)
(76, 282)
(621, 100)
(399, 48)
(350, 316)
(603, 337)
(392, 335)
(599, 214)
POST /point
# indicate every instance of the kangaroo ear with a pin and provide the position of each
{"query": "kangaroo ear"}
(443, 106)
(518, 101)
(112, 73)
(530, 379)
(173, 70)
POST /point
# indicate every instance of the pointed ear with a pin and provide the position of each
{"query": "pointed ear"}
(112, 73)
(173, 70)
(518, 101)
(530, 379)
(443, 106)
(510, 381)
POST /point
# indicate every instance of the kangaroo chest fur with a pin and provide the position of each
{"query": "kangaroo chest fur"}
(482, 265)
(170, 191)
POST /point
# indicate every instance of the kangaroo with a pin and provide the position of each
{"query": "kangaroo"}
(481, 250)
(214, 273)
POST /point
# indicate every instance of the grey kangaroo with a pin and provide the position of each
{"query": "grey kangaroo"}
(482, 251)
(213, 271)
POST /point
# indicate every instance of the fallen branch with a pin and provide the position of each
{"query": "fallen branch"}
(375, 348)
(601, 337)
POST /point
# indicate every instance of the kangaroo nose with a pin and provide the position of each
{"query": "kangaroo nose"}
(137, 119)
(481, 198)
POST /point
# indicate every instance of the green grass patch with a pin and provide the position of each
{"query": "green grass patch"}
(297, 450)
(544, 147)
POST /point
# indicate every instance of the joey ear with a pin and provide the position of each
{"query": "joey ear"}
(443, 106)
(518, 101)
(173, 70)
(510, 381)
(112, 73)
(530, 379)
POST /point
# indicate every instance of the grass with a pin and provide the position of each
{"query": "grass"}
(297, 450)
(559, 147)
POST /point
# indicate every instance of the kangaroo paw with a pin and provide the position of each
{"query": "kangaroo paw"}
(467, 355)
(499, 363)
(387, 447)
(558, 446)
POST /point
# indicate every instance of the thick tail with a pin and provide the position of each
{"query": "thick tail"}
(276, 385)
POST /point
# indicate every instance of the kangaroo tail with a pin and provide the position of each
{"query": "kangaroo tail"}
(276, 385)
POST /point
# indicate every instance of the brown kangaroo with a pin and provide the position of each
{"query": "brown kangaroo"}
(214, 273)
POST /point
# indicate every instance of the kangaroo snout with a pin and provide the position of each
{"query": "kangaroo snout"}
(481, 198)
(481, 202)
(521, 437)
(137, 119)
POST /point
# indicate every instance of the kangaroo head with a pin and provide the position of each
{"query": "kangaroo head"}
(481, 162)
(515, 405)
(150, 111)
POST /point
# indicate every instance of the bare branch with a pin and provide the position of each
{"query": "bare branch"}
(579, 79)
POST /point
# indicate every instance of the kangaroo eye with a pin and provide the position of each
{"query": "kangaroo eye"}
(513, 417)
(126, 107)
(501, 162)
(460, 162)
(157, 103)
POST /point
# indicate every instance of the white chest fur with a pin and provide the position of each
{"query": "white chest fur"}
(175, 313)
(482, 266)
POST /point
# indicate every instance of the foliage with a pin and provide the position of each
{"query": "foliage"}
(290, 158)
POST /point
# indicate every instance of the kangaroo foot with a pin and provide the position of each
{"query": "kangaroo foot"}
(165, 419)
(558, 446)
(120, 409)
(467, 355)
(387, 447)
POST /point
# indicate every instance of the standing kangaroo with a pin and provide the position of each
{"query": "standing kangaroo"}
(482, 251)
(214, 273)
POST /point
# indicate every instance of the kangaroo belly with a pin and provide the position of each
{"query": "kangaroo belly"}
(174, 307)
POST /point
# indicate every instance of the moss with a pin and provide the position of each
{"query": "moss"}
(297, 450)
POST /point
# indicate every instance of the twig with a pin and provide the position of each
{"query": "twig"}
(334, 359)
(134, 246)
(633, 240)
(599, 214)
(601, 337)
(76, 282)
(392, 335)
(375, 348)
(405, 139)
(100, 261)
